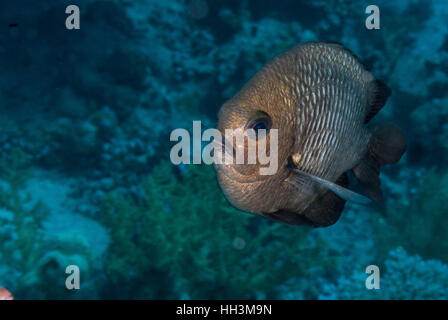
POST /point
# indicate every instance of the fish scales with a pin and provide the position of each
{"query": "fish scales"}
(328, 113)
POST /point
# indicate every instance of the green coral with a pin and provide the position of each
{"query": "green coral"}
(21, 220)
(183, 240)
(26, 218)
(33, 264)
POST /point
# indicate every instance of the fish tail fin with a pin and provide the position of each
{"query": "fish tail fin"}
(379, 93)
(387, 145)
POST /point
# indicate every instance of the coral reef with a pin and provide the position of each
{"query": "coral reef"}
(20, 234)
(91, 111)
(404, 277)
(31, 258)
(183, 241)
(419, 224)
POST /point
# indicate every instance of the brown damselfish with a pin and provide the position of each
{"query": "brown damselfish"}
(320, 98)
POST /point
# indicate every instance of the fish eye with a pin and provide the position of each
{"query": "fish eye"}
(261, 121)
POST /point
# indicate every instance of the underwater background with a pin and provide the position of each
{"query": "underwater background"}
(86, 178)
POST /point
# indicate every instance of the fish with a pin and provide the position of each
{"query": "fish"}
(320, 99)
(5, 294)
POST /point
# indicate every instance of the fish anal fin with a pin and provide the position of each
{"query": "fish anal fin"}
(378, 95)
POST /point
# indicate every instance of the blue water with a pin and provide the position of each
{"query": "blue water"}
(86, 179)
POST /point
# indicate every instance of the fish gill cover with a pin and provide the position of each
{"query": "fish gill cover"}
(86, 180)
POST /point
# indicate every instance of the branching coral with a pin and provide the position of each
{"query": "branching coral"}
(32, 264)
(21, 221)
(183, 240)
(403, 277)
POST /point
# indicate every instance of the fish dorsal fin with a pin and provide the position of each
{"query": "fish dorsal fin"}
(341, 47)
(378, 95)
(378, 92)
(342, 192)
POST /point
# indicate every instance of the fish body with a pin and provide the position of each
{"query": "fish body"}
(319, 97)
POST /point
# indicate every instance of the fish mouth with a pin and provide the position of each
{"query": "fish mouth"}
(238, 172)
(231, 172)
(242, 172)
(234, 173)
(225, 147)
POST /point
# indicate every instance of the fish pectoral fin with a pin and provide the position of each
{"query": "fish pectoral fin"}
(340, 191)
(301, 183)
